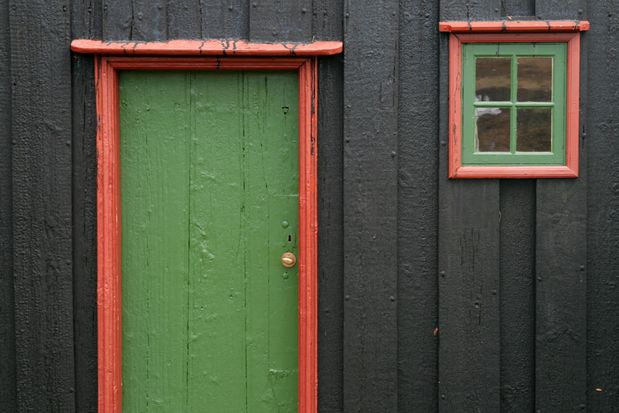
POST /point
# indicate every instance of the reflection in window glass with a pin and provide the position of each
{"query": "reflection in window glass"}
(493, 78)
(535, 79)
(492, 130)
(534, 130)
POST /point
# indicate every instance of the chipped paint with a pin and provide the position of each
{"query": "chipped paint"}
(222, 47)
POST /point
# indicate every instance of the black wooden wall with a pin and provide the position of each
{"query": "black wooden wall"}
(435, 295)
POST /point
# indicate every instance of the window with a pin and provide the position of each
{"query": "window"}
(514, 99)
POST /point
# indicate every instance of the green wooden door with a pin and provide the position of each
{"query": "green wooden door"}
(209, 172)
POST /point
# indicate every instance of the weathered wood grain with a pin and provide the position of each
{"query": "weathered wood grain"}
(278, 21)
(469, 324)
(517, 293)
(370, 206)
(155, 247)
(560, 361)
(564, 9)
(330, 236)
(600, 138)
(117, 20)
(471, 9)
(561, 258)
(184, 19)
(7, 304)
(42, 214)
(85, 23)
(518, 8)
(417, 204)
(231, 19)
(327, 19)
(327, 25)
(149, 20)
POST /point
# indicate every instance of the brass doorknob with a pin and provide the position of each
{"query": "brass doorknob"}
(288, 259)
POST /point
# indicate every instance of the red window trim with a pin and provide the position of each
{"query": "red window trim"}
(539, 26)
(513, 32)
(109, 342)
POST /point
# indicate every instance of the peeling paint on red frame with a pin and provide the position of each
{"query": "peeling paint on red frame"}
(207, 48)
(538, 26)
(570, 169)
(109, 214)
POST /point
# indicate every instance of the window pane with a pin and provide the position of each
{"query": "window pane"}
(535, 79)
(534, 130)
(493, 78)
(492, 130)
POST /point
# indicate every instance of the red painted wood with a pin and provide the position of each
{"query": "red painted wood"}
(109, 225)
(205, 63)
(308, 232)
(109, 329)
(455, 105)
(570, 170)
(207, 48)
(515, 172)
(514, 26)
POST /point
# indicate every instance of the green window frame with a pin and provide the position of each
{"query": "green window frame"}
(557, 105)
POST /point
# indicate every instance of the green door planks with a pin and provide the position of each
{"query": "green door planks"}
(209, 177)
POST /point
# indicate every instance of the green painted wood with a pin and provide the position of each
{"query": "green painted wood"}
(210, 200)
(558, 104)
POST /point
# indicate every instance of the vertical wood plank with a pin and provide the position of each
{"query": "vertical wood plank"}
(327, 19)
(514, 8)
(469, 324)
(217, 302)
(42, 225)
(85, 23)
(149, 20)
(155, 220)
(228, 19)
(517, 275)
(117, 20)
(562, 9)
(7, 304)
(330, 236)
(561, 296)
(602, 207)
(469, 357)
(283, 21)
(327, 24)
(418, 207)
(184, 19)
(471, 9)
(561, 257)
(517, 293)
(271, 195)
(140, 20)
(370, 205)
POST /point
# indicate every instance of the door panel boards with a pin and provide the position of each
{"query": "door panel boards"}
(209, 202)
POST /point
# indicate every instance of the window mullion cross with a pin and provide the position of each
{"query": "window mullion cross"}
(513, 110)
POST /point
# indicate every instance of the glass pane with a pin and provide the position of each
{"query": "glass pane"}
(534, 130)
(492, 130)
(493, 78)
(535, 79)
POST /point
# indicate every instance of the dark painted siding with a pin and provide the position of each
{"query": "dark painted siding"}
(602, 200)
(41, 204)
(370, 207)
(7, 300)
(435, 295)
(417, 156)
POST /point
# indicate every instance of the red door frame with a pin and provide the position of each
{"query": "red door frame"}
(109, 236)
